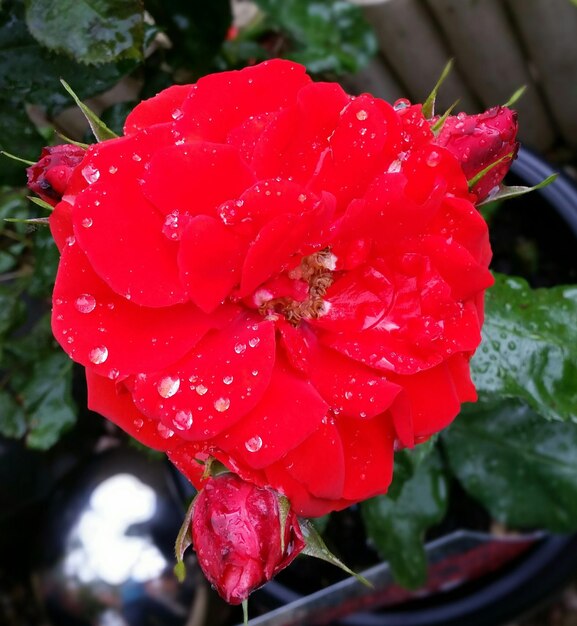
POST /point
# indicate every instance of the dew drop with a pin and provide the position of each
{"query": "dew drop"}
(240, 348)
(227, 380)
(138, 423)
(254, 372)
(362, 115)
(201, 390)
(348, 395)
(401, 103)
(164, 431)
(253, 343)
(168, 386)
(90, 173)
(98, 355)
(136, 157)
(176, 114)
(254, 444)
(183, 420)
(433, 159)
(222, 404)
(85, 303)
(113, 169)
(70, 241)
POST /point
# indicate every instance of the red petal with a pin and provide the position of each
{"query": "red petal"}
(319, 463)
(164, 107)
(195, 178)
(367, 138)
(113, 336)
(220, 102)
(310, 122)
(210, 259)
(349, 387)
(215, 385)
(368, 452)
(115, 403)
(61, 225)
(290, 411)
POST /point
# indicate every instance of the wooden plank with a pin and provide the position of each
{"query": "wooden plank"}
(549, 31)
(414, 49)
(377, 79)
(487, 51)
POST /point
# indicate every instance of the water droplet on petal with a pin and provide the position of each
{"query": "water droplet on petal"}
(362, 115)
(164, 431)
(70, 241)
(433, 159)
(240, 348)
(168, 386)
(183, 420)
(254, 444)
(253, 343)
(113, 169)
(401, 103)
(98, 355)
(227, 380)
(85, 303)
(222, 404)
(87, 222)
(348, 395)
(176, 114)
(200, 390)
(136, 157)
(90, 173)
(138, 423)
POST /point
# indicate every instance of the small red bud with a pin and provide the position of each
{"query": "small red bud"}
(480, 140)
(239, 538)
(49, 177)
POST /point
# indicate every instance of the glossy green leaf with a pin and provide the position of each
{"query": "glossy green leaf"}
(328, 36)
(505, 192)
(30, 74)
(47, 400)
(90, 31)
(396, 523)
(529, 348)
(522, 468)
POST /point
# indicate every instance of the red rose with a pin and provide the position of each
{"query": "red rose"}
(49, 177)
(481, 140)
(276, 274)
(240, 536)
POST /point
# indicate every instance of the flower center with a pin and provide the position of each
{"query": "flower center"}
(317, 271)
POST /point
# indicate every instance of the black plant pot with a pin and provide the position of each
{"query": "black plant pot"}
(475, 579)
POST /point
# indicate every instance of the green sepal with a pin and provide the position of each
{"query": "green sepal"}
(516, 96)
(429, 104)
(41, 203)
(29, 220)
(315, 546)
(506, 193)
(284, 510)
(438, 125)
(487, 169)
(98, 127)
(73, 141)
(183, 541)
(16, 158)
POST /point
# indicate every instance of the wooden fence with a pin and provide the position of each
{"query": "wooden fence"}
(498, 46)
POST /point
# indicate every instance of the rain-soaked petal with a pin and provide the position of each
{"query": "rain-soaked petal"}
(217, 381)
(114, 336)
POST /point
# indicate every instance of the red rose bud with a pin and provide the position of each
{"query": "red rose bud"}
(478, 141)
(49, 177)
(241, 536)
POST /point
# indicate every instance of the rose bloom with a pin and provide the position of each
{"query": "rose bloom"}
(273, 273)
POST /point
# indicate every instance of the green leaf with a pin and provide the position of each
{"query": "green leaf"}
(506, 193)
(12, 417)
(529, 347)
(90, 31)
(429, 104)
(47, 399)
(516, 96)
(30, 74)
(328, 36)
(396, 523)
(98, 127)
(522, 468)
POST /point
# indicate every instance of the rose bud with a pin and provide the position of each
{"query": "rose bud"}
(50, 175)
(480, 140)
(242, 536)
